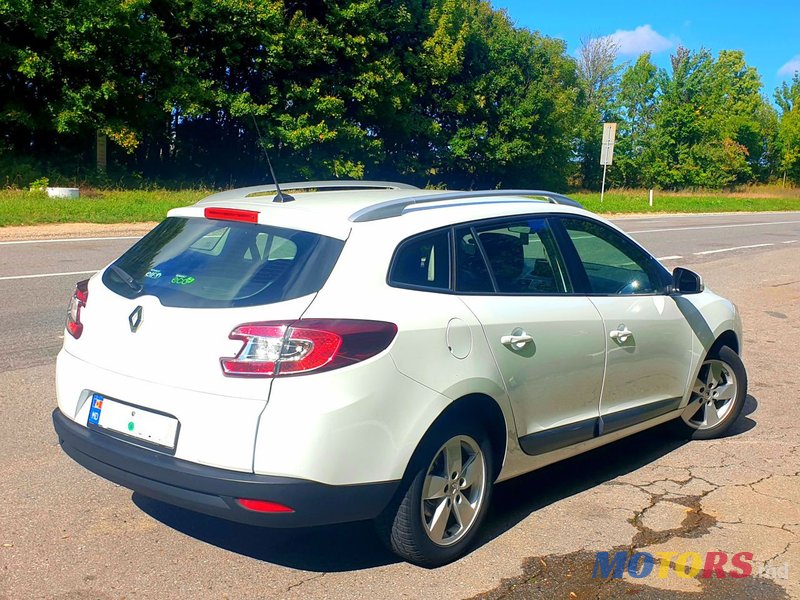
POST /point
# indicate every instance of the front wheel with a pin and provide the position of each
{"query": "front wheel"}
(437, 518)
(717, 396)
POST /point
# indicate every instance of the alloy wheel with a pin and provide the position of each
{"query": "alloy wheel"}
(453, 490)
(713, 395)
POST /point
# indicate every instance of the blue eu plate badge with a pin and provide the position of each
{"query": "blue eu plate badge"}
(94, 409)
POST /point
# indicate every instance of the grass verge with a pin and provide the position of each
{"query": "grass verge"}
(21, 207)
(636, 201)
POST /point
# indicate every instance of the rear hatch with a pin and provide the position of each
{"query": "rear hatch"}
(164, 310)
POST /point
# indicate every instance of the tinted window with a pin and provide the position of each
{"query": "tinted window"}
(214, 264)
(423, 261)
(472, 274)
(612, 263)
(523, 257)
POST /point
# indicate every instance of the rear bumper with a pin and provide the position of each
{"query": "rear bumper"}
(214, 491)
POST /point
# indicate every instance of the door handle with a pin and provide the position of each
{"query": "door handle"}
(621, 335)
(517, 339)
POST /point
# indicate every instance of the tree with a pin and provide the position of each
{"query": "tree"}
(598, 76)
(787, 97)
(637, 103)
(712, 125)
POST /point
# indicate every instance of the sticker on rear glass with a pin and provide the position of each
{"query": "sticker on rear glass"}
(182, 279)
(153, 274)
(94, 410)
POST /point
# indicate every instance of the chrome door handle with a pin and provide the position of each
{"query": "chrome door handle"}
(517, 340)
(622, 334)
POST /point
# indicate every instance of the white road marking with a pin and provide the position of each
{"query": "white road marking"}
(676, 257)
(789, 242)
(88, 239)
(734, 248)
(714, 226)
(47, 275)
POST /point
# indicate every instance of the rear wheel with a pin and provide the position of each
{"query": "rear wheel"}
(438, 516)
(717, 396)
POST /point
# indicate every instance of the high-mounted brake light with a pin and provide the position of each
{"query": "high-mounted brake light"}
(231, 214)
(280, 348)
(78, 301)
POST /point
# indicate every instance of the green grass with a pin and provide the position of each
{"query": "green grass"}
(636, 201)
(21, 207)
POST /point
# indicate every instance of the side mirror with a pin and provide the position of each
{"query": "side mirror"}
(686, 281)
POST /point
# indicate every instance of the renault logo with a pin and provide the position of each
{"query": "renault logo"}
(135, 319)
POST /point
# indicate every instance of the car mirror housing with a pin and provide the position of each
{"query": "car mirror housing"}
(686, 281)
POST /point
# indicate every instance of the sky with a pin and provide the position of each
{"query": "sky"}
(768, 31)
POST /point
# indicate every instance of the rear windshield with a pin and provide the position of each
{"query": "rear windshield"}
(202, 263)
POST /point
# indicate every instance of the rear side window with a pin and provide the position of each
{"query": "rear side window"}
(423, 262)
(202, 263)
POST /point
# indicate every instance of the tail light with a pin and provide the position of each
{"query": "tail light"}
(78, 301)
(279, 348)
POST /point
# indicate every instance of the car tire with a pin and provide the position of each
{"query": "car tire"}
(434, 519)
(717, 398)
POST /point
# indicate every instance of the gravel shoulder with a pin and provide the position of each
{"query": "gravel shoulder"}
(72, 230)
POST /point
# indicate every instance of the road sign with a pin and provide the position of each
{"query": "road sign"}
(102, 151)
(607, 148)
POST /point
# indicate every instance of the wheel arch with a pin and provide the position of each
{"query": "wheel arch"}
(726, 338)
(478, 408)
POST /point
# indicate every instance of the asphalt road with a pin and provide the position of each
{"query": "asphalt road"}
(68, 534)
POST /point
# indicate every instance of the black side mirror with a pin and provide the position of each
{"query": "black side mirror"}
(686, 281)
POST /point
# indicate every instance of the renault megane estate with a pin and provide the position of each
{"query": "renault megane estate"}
(369, 350)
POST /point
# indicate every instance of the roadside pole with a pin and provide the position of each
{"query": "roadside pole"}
(607, 152)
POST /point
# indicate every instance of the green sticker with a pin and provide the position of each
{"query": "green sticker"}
(130, 426)
(182, 279)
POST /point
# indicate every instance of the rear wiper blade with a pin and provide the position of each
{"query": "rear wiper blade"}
(127, 279)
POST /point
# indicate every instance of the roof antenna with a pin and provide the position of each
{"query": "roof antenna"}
(280, 196)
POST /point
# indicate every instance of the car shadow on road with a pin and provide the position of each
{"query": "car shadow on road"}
(354, 546)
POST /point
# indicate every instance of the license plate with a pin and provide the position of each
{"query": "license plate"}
(133, 421)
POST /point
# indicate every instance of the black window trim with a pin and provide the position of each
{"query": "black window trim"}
(554, 226)
(577, 271)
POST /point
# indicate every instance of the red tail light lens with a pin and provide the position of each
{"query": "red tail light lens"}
(280, 348)
(78, 301)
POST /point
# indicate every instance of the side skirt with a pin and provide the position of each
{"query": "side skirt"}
(563, 436)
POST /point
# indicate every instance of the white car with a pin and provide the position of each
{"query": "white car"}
(369, 350)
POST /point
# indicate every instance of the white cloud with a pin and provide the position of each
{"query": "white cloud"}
(791, 67)
(642, 39)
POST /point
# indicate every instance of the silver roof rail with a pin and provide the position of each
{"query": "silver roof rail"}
(336, 184)
(395, 208)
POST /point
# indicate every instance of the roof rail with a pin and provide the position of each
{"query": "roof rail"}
(336, 184)
(398, 206)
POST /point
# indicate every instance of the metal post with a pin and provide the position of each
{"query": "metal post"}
(603, 188)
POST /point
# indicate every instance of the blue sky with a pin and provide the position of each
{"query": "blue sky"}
(768, 31)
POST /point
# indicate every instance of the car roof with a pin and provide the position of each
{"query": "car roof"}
(333, 208)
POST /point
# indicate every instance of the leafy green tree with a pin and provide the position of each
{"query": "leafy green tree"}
(598, 75)
(712, 123)
(637, 103)
(787, 97)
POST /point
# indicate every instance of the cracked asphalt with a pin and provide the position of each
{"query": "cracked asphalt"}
(67, 534)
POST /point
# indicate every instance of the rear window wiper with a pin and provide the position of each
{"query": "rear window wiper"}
(127, 279)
